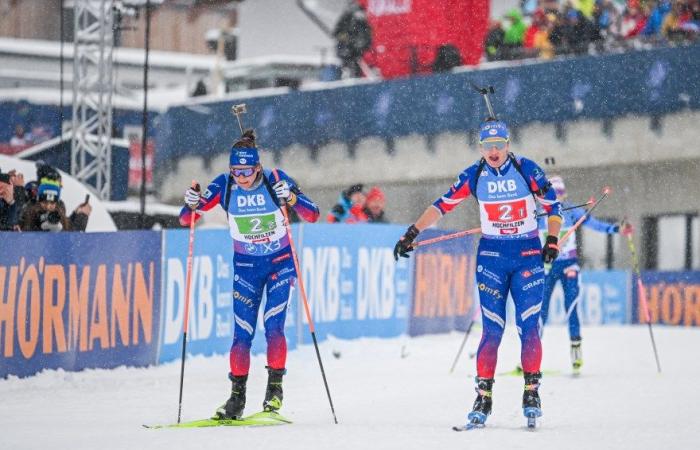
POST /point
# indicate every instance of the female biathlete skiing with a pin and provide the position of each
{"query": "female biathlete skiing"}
(509, 259)
(262, 261)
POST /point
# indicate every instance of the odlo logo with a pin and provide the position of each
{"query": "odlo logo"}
(489, 290)
(242, 298)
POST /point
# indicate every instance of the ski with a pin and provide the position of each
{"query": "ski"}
(468, 426)
(532, 413)
(263, 418)
(476, 420)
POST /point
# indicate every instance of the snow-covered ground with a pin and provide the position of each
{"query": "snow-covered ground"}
(388, 394)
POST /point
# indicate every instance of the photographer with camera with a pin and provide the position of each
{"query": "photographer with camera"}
(48, 183)
(46, 214)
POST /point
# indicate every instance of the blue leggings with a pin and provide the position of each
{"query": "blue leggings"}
(515, 267)
(565, 271)
(252, 276)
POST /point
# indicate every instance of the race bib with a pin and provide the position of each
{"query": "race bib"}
(503, 218)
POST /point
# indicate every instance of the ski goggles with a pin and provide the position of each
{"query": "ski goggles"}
(499, 144)
(248, 171)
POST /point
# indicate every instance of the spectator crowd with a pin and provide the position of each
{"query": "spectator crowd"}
(356, 206)
(546, 28)
(37, 205)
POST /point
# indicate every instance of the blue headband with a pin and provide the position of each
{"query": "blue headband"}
(244, 156)
(493, 129)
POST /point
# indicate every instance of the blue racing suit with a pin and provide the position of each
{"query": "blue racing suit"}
(509, 257)
(262, 260)
(565, 268)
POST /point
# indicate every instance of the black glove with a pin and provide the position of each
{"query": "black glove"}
(403, 246)
(550, 251)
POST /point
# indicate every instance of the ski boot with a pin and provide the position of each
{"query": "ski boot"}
(273, 394)
(576, 355)
(532, 407)
(483, 403)
(233, 408)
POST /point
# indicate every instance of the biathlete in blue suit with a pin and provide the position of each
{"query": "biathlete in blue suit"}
(565, 269)
(510, 255)
(262, 261)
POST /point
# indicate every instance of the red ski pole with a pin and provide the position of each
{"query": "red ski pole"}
(188, 282)
(446, 237)
(642, 293)
(606, 192)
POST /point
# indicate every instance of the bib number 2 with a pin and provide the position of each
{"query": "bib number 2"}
(507, 212)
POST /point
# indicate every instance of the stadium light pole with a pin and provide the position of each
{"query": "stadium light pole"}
(144, 117)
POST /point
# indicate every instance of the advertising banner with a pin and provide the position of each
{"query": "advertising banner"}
(210, 326)
(77, 300)
(602, 300)
(354, 286)
(673, 298)
(652, 82)
(443, 287)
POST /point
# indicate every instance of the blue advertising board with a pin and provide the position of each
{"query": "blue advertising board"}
(210, 325)
(673, 298)
(603, 299)
(443, 286)
(354, 286)
(657, 81)
(78, 300)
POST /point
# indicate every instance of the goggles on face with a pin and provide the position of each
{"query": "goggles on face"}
(499, 144)
(248, 171)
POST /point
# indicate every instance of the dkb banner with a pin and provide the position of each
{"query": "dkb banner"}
(77, 300)
(673, 297)
(602, 299)
(210, 325)
(354, 287)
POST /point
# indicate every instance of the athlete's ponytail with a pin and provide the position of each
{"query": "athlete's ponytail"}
(247, 139)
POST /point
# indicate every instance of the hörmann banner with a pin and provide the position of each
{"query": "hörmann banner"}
(443, 286)
(78, 300)
(673, 298)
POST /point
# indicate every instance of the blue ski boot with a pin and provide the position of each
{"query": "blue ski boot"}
(532, 407)
(482, 405)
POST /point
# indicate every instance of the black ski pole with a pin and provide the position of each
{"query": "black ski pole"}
(302, 292)
(466, 336)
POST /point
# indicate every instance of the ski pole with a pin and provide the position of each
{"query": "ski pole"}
(588, 203)
(466, 335)
(643, 297)
(477, 230)
(606, 192)
(446, 237)
(190, 250)
(302, 291)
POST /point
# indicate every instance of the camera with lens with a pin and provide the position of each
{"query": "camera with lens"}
(50, 221)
